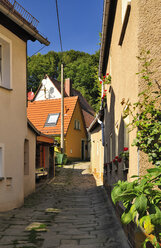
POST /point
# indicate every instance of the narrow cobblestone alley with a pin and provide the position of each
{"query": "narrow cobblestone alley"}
(71, 213)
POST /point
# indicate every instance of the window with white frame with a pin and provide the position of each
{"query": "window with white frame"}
(77, 124)
(1, 161)
(124, 7)
(5, 62)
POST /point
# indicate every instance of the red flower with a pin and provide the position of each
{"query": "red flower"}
(114, 160)
(126, 149)
(119, 160)
(104, 76)
(100, 82)
(105, 90)
(116, 157)
(107, 74)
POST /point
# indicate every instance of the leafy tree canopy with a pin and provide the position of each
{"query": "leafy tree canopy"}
(80, 67)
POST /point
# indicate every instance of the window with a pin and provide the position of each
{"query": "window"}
(111, 155)
(116, 139)
(1, 161)
(77, 124)
(126, 136)
(126, 131)
(52, 119)
(26, 157)
(5, 62)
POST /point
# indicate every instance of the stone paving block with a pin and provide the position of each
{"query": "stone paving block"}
(83, 236)
(6, 246)
(69, 242)
(90, 241)
(14, 231)
(9, 239)
(50, 242)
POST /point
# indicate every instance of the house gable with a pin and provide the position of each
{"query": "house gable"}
(47, 90)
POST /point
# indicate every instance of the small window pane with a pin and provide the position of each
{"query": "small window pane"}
(52, 119)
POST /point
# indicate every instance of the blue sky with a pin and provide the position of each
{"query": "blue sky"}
(80, 23)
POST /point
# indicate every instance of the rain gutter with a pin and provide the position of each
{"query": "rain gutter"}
(104, 33)
(34, 33)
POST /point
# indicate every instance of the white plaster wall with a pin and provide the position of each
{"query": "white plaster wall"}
(47, 91)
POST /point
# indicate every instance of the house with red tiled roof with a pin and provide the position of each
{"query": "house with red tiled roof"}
(50, 88)
(46, 117)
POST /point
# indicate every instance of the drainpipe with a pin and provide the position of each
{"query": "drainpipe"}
(102, 90)
(102, 86)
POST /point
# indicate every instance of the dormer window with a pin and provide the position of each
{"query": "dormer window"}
(52, 119)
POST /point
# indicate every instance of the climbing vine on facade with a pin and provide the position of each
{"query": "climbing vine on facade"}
(142, 197)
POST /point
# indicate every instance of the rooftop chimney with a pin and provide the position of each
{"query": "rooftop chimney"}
(68, 87)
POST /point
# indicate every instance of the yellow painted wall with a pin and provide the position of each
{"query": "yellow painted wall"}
(13, 126)
(74, 137)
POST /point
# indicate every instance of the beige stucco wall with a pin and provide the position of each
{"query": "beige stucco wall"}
(74, 137)
(29, 180)
(149, 38)
(142, 33)
(13, 126)
(122, 66)
(97, 155)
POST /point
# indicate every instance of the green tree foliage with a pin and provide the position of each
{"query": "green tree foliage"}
(80, 67)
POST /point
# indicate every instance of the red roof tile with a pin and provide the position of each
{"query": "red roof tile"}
(88, 118)
(38, 112)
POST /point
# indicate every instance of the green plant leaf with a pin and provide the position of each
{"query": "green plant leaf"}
(156, 216)
(126, 218)
(141, 203)
(115, 193)
(134, 176)
(145, 242)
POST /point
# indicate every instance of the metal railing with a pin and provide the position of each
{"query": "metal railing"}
(20, 12)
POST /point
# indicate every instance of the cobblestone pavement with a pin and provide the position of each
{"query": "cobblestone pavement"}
(70, 212)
